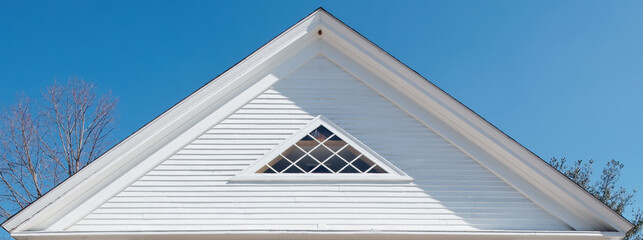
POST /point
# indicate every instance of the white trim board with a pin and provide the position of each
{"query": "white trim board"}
(75, 197)
(339, 235)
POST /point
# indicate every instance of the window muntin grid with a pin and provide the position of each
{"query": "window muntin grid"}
(319, 152)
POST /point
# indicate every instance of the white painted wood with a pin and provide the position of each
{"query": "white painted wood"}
(191, 190)
(319, 235)
(187, 127)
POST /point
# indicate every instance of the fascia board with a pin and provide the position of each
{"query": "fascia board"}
(515, 156)
(145, 141)
(319, 235)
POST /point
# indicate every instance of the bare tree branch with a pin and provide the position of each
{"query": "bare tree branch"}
(42, 146)
(605, 189)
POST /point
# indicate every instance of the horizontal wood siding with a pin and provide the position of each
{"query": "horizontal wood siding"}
(190, 190)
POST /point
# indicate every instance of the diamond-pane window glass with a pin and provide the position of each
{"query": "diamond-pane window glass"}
(321, 152)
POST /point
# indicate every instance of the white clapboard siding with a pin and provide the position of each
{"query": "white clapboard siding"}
(190, 190)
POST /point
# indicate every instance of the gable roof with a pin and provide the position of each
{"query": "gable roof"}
(501, 154)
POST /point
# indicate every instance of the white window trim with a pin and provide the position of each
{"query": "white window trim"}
(393, 173)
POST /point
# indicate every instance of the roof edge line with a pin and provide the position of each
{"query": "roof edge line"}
(453, 105)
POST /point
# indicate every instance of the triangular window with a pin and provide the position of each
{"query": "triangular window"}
(321, 151)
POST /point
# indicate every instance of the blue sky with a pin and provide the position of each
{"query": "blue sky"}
(563, 78)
